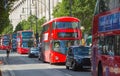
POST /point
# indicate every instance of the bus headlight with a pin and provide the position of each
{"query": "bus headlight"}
(56, 58)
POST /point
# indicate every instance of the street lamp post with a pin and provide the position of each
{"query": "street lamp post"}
(37, 40)
(30, 15)
(70, 7)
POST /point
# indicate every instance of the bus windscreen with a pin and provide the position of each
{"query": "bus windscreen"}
(27, 34)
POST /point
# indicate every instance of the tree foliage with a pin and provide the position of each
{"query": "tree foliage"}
(5, 25)
(82, 9)
(30, 23)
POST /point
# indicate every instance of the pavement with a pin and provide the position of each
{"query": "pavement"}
(5, 71)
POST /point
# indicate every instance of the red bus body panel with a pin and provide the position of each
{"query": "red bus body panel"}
(54, 57)
(21, 50)
(5, 47)
(58, 57)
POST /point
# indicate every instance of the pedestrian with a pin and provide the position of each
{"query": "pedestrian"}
(8, 49)
(7, 52)
(39, 46)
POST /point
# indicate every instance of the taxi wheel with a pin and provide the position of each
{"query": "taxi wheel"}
(67, 67)
(73, 66)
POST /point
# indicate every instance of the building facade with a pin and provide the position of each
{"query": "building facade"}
(22, 9)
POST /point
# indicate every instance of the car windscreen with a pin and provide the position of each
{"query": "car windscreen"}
(81, 51)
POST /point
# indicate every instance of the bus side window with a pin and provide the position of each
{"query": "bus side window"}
(117, 46)
(101, 44)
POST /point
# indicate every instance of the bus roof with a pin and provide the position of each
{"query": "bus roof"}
(63, 19)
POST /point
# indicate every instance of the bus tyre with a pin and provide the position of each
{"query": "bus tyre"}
(67, 67)
(100, 72)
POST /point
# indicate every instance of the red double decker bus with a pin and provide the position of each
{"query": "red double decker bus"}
(5, 42)
(25, 40)
(106, 39)
(57, 35)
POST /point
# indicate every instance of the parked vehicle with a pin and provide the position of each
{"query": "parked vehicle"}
(78, 57)
(34, 51)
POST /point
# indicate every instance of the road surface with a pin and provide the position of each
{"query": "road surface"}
(21, 65)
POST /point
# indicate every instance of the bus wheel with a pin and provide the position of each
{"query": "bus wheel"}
(100, 72)
(67, 67)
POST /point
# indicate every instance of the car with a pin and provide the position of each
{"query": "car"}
(34, 51)
(78, 57)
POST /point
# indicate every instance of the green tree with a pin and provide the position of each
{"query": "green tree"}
(40, 22)
(18, 27)
(30, 23)
(62, 9)
(82, 9)
(4, 16)
(8, 29)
